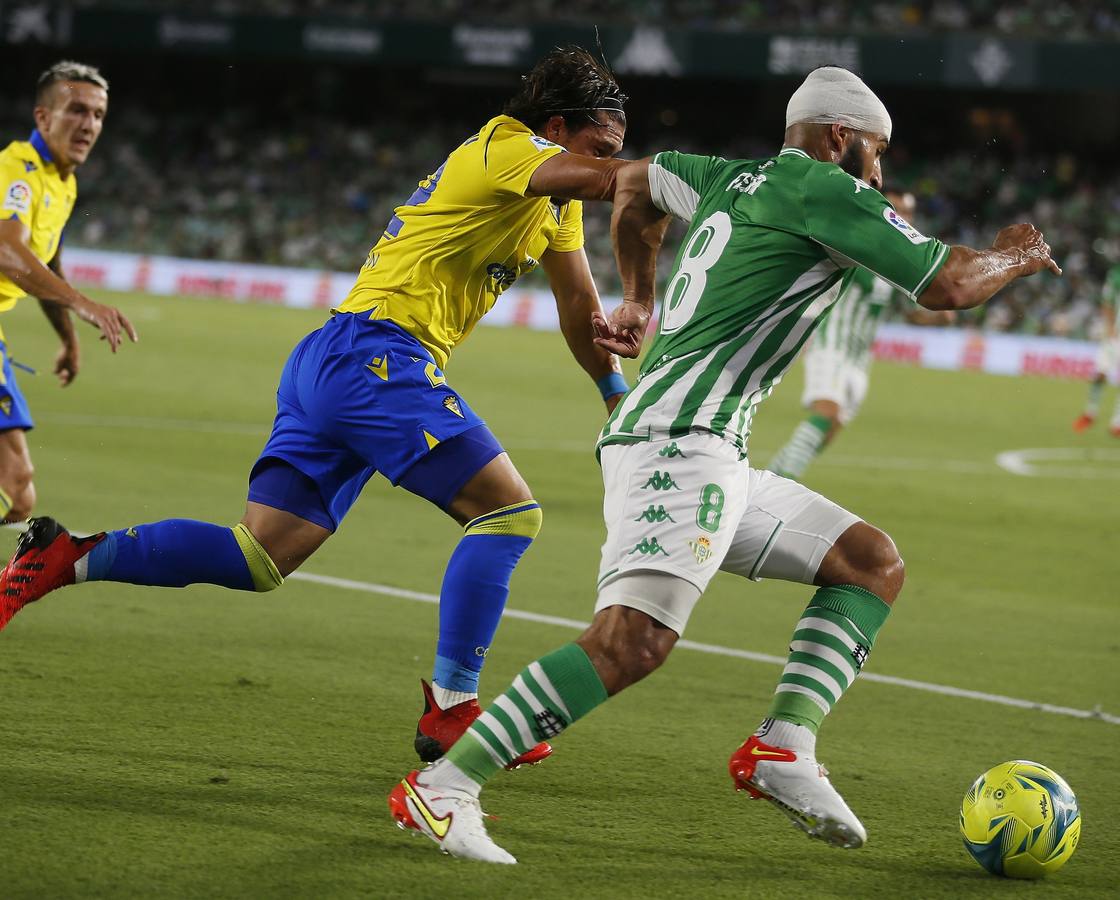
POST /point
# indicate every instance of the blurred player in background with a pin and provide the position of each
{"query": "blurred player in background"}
(38, 193)
(1108, 357)
(366, 393)
(838, 359)
(767, 246)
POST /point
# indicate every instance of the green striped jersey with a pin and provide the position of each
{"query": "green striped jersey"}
(768, 243)
(848, 328)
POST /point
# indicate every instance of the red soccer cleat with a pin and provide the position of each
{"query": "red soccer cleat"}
(1083, 422)
(43, 561)
(1115, 430)
(439, 728)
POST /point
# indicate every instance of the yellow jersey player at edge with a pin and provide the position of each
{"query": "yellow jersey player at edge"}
(37, 193)
(367, 392)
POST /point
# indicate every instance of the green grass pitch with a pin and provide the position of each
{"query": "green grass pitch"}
(203, 743)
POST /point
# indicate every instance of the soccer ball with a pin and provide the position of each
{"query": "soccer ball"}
(1020, 819)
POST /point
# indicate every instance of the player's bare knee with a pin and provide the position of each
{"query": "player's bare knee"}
(625, 645)
(866, 557)
(18, 489)
(266, 575)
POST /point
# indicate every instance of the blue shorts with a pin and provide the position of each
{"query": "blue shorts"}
(358, 397)
(14, 412)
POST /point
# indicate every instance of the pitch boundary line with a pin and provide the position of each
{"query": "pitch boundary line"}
(385, 590)
(718, 650)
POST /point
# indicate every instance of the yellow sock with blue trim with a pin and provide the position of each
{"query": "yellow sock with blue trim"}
(178, 552)
(474, 593)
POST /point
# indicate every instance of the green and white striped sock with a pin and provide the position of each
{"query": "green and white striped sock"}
(829, 647)
(806, 443)
(548, 696)
(1093, 403)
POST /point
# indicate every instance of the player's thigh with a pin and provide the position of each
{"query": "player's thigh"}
(495, 485)
(375, 390)
(1108, 356)
(671, 508)
(786, 531)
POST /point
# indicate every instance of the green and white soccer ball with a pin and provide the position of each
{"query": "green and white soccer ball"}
(1020, 819)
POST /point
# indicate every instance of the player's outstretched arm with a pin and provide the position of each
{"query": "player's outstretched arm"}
(970, 277)
(637, 230)
(25, 269)
(577, 302)
(572, 176)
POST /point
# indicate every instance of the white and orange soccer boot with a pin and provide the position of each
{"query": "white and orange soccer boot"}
(798, 785)
(451, 818)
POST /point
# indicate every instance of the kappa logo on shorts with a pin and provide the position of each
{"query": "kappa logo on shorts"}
(648, 547)
(655, 515)
(452, 404)
(661, 482)
(701, 549)
(671, 451)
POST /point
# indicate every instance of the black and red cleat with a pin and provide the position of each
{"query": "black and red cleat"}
(44, 561)
(439, 728)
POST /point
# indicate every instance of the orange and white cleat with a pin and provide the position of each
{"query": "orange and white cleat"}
(439, 728)
(794, 782)
(44, 561)
(451, 818)
(1114, 429)
(1083, 422)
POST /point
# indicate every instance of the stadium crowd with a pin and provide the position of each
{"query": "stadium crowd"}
(318, 197)
(1050, 18)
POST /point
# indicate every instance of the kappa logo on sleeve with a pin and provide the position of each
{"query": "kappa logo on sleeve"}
(911, 233)
(17, 198)
(543, 143)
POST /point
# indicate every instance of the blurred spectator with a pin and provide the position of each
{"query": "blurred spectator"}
(320, 193)
(1052, 18)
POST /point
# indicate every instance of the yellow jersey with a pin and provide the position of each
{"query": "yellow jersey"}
(464, 236)
(33, 192)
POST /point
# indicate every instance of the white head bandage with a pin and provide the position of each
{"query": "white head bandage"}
(831, 94)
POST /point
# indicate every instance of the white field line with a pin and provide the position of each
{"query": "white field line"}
(386, 590)
(717, 650)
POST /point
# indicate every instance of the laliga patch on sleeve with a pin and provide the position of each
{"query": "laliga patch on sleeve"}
(17, 198)
(543, 143)
(912, 234)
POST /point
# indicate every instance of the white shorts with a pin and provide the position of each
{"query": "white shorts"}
(1108, 354)
(690, 506)
(830, 375)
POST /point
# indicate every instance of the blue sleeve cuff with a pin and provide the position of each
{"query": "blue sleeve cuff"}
(612, 384)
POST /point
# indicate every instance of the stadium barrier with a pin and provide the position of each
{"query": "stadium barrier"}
(937, 348)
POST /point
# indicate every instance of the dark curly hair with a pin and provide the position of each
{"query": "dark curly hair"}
(568, 82)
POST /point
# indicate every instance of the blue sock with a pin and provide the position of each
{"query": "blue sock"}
(475, 589)
(178, 552)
